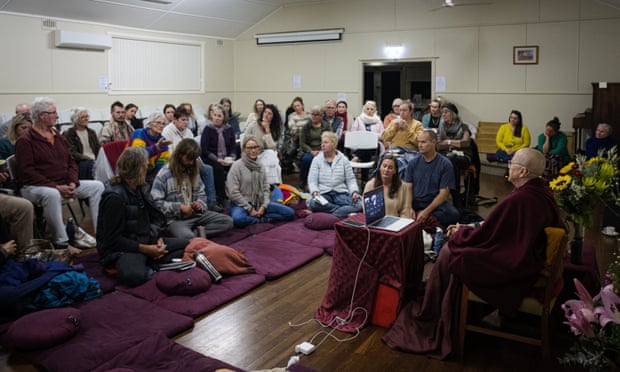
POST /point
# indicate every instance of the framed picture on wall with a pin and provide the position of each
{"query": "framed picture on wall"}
(525, 55)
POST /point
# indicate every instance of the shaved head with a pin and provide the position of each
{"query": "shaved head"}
(532, 159)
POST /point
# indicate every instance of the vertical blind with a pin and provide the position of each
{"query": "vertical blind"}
(155, 66)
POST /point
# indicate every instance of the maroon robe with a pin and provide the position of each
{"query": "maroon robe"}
(499, 261)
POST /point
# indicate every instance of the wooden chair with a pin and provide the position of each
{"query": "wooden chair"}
(557, 241)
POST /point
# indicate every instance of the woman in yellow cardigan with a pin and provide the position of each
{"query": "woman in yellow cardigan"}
(511, 137)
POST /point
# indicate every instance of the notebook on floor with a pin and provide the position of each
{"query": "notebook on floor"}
(374, 209)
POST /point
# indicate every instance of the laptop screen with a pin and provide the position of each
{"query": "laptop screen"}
(374, 205)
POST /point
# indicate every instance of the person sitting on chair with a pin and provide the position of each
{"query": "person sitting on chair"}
(429, 178)
(553, 144)
(310, 142)
(601, 140)
(19, 214)
(499, 261)
(454, 141)
(129, 233)
(331, 181)
(511, 137)
(49, 173)
(83, 142)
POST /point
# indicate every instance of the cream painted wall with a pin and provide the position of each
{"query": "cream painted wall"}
(33, 66)
(470, 46)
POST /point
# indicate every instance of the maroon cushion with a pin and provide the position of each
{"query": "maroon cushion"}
(320, 221)
(43, 329)
(186, 282)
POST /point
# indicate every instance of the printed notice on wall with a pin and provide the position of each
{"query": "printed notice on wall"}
(296, 81)
(104, 83)
(440, 84)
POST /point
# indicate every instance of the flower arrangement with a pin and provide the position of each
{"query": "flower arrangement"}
(596, 323)
(582, 184)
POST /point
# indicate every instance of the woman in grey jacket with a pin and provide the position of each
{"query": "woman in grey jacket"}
(331, 181)
(248, 190)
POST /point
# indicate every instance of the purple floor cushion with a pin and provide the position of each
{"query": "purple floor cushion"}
(159, 353)
(94, 269)
(296, 231)
(227, 289)
(108, 326)
(275, 257)
(320, 221)
(43, 329)
(184, 282)
(237, 234)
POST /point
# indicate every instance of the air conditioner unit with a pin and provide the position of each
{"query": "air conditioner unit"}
(80, 40)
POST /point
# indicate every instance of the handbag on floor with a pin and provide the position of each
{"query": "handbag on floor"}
(44, 251)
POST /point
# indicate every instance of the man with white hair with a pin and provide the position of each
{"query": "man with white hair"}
(49, 174)
(21, 108)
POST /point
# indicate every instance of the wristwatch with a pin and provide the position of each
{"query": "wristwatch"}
(449, 142)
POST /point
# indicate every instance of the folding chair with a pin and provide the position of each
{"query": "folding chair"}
(361, 140)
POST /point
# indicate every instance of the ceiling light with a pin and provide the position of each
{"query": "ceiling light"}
(393, 51)
(299, 36)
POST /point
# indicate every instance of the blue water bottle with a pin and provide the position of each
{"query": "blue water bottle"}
(438, 240)
(71, 231)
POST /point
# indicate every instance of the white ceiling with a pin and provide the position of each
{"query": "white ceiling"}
(217, 18)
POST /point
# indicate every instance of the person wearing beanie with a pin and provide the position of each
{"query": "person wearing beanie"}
(454, 142)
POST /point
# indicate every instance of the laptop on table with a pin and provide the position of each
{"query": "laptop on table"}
(374, 210)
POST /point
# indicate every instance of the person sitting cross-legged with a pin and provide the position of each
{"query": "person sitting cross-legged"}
(130, 226)
(179, 193)
(429, 178)
(248, 190)
(331, 181)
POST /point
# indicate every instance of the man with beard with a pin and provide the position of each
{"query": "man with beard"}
(179, 193)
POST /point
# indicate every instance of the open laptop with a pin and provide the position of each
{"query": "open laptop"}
(374, 209)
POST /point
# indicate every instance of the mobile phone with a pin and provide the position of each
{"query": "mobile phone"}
(353, 223)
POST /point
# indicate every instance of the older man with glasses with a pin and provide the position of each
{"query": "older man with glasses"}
(49, 174)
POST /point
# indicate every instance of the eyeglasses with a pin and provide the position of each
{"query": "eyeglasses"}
(50, 112)
(252, 148)
(158, 123)
(316, 114)
(510, 163)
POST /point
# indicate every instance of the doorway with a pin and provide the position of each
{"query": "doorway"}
(384, 81)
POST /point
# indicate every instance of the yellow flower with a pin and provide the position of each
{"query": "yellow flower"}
(560, 183)
(589, 182)
(607, 171)
(601, 186)
(596, 159)
(567, 168)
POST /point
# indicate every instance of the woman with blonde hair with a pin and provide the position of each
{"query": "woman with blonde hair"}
(19, 125)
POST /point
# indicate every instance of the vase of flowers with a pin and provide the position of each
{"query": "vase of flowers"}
(581, 186)
(596, 323)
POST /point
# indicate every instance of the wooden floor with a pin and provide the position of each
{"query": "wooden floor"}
(256, 331)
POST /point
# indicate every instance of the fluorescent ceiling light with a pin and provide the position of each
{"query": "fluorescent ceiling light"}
(299, 36)
(159, 1)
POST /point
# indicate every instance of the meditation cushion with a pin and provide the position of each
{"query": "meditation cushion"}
(225, 259)
(43, 329)
(554, 237)
(185, 282)
(320, 221)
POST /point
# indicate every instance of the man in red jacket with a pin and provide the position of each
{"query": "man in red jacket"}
(49, 174)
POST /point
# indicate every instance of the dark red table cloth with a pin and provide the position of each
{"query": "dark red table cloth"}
(395, 259)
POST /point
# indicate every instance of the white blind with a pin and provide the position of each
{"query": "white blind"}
(155, 66)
